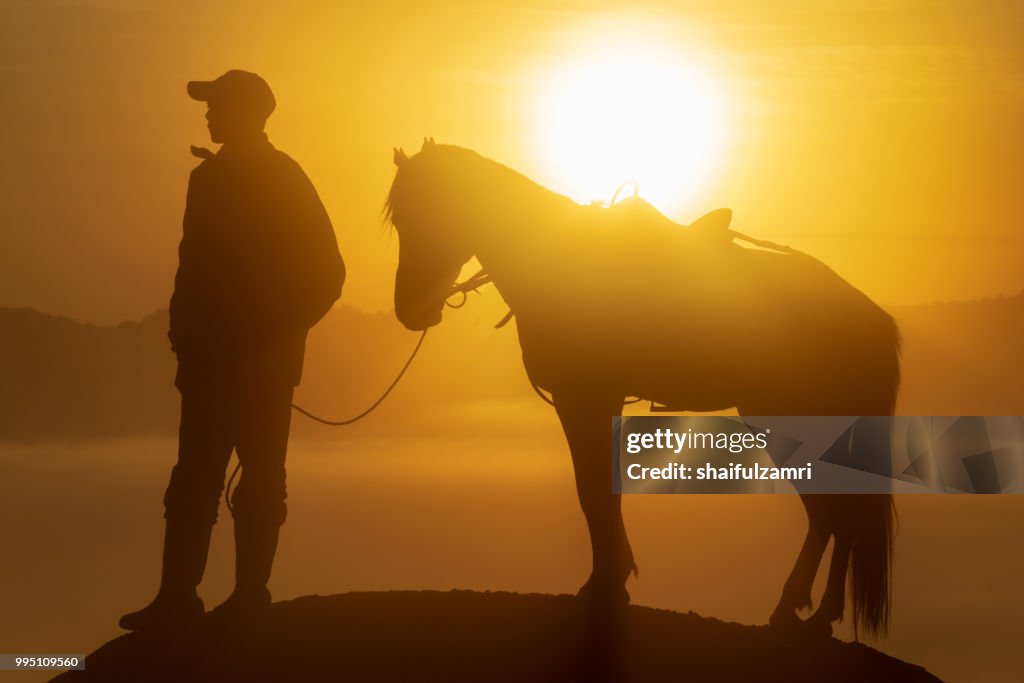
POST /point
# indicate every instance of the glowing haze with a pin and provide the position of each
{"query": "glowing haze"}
(882, 137)
(633, 110)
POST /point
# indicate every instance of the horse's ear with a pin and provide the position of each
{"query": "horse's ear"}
(431, 140)
(427, 142)
(400, 157)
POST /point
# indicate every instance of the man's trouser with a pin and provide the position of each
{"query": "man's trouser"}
(218, 417)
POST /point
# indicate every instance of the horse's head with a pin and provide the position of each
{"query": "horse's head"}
(423, 206)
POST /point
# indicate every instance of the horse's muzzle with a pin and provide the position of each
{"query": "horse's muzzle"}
(415, 310)
(420, 295)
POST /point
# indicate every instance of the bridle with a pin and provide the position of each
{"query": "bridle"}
(474, 284)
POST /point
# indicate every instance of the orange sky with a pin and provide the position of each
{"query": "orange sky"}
(883, 137)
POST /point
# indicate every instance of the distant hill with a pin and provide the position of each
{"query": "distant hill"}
(61, 378)
(963, 358)
(464, 636)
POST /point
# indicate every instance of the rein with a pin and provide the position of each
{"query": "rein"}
(333, 423)
(474, 284)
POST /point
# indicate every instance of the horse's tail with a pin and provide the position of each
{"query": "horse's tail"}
(873, 527)
(871, 565)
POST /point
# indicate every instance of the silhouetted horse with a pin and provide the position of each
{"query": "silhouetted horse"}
(620, 302)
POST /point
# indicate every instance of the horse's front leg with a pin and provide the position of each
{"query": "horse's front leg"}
(586, 421)
(796, 593)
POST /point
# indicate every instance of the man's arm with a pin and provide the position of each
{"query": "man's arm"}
(186, 298)
(314, 270)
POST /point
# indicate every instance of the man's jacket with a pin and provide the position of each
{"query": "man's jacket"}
(258, 266)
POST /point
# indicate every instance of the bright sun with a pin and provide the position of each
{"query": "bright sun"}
(630, 113)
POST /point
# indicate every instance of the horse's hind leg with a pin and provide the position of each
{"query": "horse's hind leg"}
(833, 602)
(587, 425)
(796, 592)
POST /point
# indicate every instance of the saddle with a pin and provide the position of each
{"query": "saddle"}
(712, 227)
(714, 224)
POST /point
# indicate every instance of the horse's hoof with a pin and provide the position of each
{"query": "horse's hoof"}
(788, 621)
(785, 620)
(610, 596)
(817, 627)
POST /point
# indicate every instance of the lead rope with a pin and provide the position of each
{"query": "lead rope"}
(470, 285)
(334, 423)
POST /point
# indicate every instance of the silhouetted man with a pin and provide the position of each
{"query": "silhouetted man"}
(258, 266)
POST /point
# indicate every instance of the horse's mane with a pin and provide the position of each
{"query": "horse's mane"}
(446, 166)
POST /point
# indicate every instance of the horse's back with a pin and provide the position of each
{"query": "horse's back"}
(650, 306)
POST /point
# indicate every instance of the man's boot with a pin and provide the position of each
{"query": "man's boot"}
(255, 546)
(177, 605)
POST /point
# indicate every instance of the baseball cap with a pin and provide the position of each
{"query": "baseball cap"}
(237, 89)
